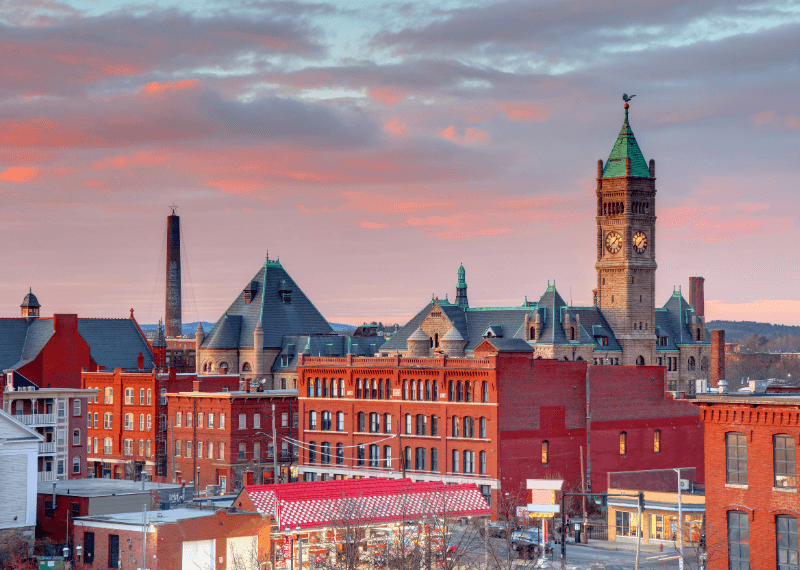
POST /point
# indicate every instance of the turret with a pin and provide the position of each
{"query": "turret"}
(461, 289)
(199, 335)
(453, 343)
(30, 306)
(419, 343)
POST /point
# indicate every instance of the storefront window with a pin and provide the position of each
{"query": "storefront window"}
(626, 523)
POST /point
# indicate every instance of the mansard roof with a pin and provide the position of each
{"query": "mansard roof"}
(296, 316)
(324, 345)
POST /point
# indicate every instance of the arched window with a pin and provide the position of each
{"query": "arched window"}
(326, 420)
(485, 392)
(341, 388)
(387, 423)
(362, 418)
(326, 452)
(407, 457)
(310, 386)
(405, 389)
(482, 463)
(358, 388)
(455, 431)
(223, 367)
(640, 360)
(312, 452)
(435, 391)
(387, 456)
(408, 424)
(482, 428)
(317, 388)
(434, 425)
(451, 389)
(431, 339)
(374, 391)
(246, 367)
(312, 419)
(419, 458)
(374, 422)
(380, 389)
(339, 421)
(571, 333)
(422, 424)
(691, 364)
(339, 453)
(374, 455)
(324, 387)
(460, 391)
(545, 452)
(360, 452)
(413, 389)
(698, 333)
(657, 441)
(388, 388)
(436, 340)
(623, 443)
(469, 426)
(454, 461)
(428, 390)
(533, 333)
(467, 391)
(334, 388)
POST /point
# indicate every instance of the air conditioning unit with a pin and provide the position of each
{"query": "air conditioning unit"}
(684, 484)
(701, 386)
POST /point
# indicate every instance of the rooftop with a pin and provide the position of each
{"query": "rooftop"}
(153, 517)
(763, 398)
(290, 393)
(100, 488)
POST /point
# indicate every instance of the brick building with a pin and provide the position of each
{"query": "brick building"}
(622, 327)
(59, 415)
(494, 420)
(188, 538)
(225, 438)
(129, 428)
(51, 352)
(752, 505)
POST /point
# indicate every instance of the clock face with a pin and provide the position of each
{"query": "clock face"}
(639, 242)
(613, 242)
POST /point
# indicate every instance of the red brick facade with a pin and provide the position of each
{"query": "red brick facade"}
(225, 438)
(754, 490)
(535, 414)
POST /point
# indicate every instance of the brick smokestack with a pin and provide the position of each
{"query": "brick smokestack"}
(173, 324)
(717, 371)
(697, 295)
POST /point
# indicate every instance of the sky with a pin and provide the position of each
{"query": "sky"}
(373, 146)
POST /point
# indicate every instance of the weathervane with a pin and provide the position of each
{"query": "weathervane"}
(173, 207)
(626, 98)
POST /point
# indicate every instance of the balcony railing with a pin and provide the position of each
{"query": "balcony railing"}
(46, 476)
(35, 419)
(47, 447)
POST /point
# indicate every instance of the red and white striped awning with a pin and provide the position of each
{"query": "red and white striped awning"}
(364, 502)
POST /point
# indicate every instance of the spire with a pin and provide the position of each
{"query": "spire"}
(461, 289)
(625, 148)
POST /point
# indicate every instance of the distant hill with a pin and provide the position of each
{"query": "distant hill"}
(340, 327)
(188, 329)
(735, 330)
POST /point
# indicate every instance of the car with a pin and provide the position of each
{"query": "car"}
(529, 539)
(499, 529)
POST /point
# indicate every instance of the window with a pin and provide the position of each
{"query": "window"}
(141, 422)
(310, 388)
(284, 419)
(786, 537)
(326, 452)
(188, 449)
(178, 419)
(358, 387)
(434, 459)
(339, 453)
(256, 421)
(211, 450)
(387, 423)
(486, 491)
(108, 395)
(199, 419)
(435, 391)
(147, 448)
(467, 391)
(128, 447)
(657, 441)
(482, 470)
(242, 451)
(405, 389)
(469, 426)
(129, 422)
(361, 427)
(691, 364)
(149, 423)
(188, 419)
(96, 416)
(626, 524)
(374, 455)
(295, 419)
(76, 407)
(736, 455)
(451, 391)
(242, 421)
(374, 422)
(360, 456)
(455, 431)
(434, 425)
(422, 424)
(469, 462)
(163, 396)
(60, 438)
(459, 391)
(141, 396)
(341, 388)
(428, 390)
(312, 452)
(339, 421)
(76, 437)
(484, 392)
(256, 451)
(408, 424)
(785, 462)
(222, 421)
(407, 457)
(413, 389)
(149, 396)
(738, 541)
(623, 443)
(454, 465)
(76, 465)
(482, 428)
(94, 445)
(129, 395)
(419, 460)
(221, 450)
(387, 456)
(107, 446)
(326, 421)
(270, 450)
(141, 447)
(113, 551)
(545, 452)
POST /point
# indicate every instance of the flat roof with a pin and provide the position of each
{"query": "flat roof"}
(153, 517)
(100, 487)
(762, 398)
(238, 394)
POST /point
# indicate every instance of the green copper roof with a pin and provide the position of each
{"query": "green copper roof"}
(626, 147)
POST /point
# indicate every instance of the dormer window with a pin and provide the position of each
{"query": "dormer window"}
(285, 292)
(602, 340)
(250, 291)
(662, 341)
(284, 360)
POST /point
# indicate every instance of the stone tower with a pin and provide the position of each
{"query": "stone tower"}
(626, 246)
(461, 289)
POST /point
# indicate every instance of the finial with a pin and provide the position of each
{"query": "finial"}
(447, 297)
(173, 207)
(267, 256)
(131, 312)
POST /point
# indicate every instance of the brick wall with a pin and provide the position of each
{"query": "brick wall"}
(717, 371)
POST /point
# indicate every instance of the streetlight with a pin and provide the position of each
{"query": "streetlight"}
(680, 516)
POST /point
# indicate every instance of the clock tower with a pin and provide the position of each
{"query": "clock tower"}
(626, 246)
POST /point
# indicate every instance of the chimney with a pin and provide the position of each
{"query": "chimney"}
(600, 168)
(173, 323)
(140, 361)
(196, 386)
(697, 295)
(717, 372)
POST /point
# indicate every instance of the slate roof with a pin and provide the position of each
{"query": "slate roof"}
(30, 300)
(509, 344)
(626, 147)
(675, 316)
(115, 343)
(299, 316)
(20, 342)
(324, 345)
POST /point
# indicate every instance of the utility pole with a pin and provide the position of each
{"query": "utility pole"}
(274, 449)
(402, 453)
(144, 536)
(172, 438)
(639, 528)
(680, 518)
(583, 499)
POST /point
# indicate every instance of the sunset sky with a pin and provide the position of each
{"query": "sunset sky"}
(376, 145)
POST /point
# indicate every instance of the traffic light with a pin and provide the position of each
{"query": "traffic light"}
(604, 500)
(703, 542)
(641, 501)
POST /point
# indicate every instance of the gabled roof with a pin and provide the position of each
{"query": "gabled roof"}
(675, 317)
(278, 318)
(11, 430)
(626, 147)
(493, 331)
(363, 501)
(507, 344)
(115, 343)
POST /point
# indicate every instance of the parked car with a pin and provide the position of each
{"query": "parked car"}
(497, 528)
(529, 539)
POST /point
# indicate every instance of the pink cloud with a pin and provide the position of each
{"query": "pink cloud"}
(752, 207)
(488, 232)
(450, 133)
(154, 87)
(792, 122)
(396, 128)
(388, 96)
(19, 174)
(523, 111)
(236, 186)
(763, 117)
(676, 217)
(146, 159)
(383, 205)
(471, 135)
(373, 226)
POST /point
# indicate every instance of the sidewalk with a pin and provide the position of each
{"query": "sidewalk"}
(621, 545)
